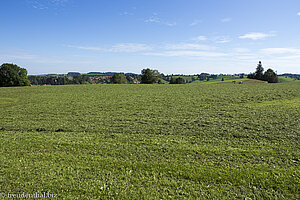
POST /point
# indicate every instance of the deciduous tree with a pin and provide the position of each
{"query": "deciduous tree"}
(119, 78)
(13, 75)
(271, 76)
(150, 76)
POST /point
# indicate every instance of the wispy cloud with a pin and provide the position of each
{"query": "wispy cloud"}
(155, 19)
(221, 39)
(128, 11)
(298, 13)
(38, 5)
(179, 49)
(272, 51)
(216, 39)
(195, 22)
(185, 50)
(241, 50)
(19, 56)
(125, 13)
(200, 38)
(121, 47)
(130, 47)
(170, 23)
(46, 4)
(34, 58)
(86, 48)
(244, 54)
(188, 46)
(226, 20)
(58, 2)
(186, 54)
(256, 36)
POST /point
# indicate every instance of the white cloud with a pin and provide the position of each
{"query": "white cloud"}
(195, 22)
(152, 19)
(298, 13)
(188, 46)
(34, 59)
(86, 48)
(246, 57)
(43, 5)
(256, 36)
(59, 1)
(38, 5)
(125, 13)
(187, 54)
(217, 39)
(241, 50)
(121, 47)
(226, 20)
(170, 24)
(19, 56)
(200, 38)
(222, 39)
(130, 47)
(155, 19)
(271, 51)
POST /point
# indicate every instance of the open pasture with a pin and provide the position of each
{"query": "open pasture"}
(215, 141)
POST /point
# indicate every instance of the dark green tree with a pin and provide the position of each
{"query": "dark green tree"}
(62, 80)
(13, 75)
(251, 76)
(119, 78)
(150, 76)
(214, 76)
(202, 76)
(173, 80)
(178, 80)
(81, 79)
(33, 80)
(259, 73)
(270, 76)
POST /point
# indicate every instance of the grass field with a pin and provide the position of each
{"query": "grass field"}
(287, 79)
(192, 141)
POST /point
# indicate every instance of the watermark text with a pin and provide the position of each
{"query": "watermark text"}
(24, 195)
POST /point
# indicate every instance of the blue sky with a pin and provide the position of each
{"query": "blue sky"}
(173, 36)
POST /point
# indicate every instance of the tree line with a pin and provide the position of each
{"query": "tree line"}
(13, 75)
(58, 80)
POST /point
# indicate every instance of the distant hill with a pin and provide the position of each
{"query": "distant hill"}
(288, 75)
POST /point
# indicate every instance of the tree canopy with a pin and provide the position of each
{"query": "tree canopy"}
(178, 80)
(150, 76)
(81, 79)
(271, 76)
(119, 78)
(259, 74)
(13, 75)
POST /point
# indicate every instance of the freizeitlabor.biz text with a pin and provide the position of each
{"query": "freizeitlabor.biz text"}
(28, 195)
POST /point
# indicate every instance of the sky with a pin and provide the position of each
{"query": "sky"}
(172, 36)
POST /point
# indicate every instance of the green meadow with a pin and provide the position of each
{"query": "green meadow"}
(190, 141)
